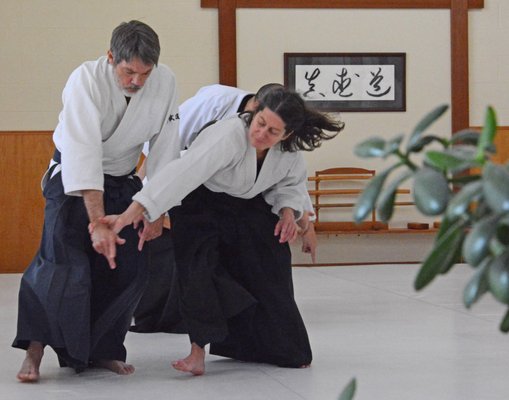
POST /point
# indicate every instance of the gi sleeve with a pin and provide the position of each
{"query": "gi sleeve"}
(177, 179)
(81, 140)
(291, 191)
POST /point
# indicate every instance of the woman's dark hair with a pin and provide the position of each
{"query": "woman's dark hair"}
(307, 126)
(134, 39)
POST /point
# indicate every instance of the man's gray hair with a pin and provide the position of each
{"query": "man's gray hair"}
(134, 39)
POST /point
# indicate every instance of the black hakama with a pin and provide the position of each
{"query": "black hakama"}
(69, 298)
(158, 309)
(235, 277)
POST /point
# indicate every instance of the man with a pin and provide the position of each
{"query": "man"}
(212, 103)
(80, 291)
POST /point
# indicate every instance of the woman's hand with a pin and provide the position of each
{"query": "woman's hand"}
(150, 231)
(286, 228)
(308, 235)
(132, 215)
(309, 242)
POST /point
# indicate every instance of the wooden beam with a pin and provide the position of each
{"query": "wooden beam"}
(418, 4)
(459, 37)
(227, 42)
(460, 116)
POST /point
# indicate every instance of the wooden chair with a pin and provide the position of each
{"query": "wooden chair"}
(328, 184)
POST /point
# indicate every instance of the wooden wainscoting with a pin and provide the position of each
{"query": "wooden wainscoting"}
(22, 164)
(502, 145)
(25, 156)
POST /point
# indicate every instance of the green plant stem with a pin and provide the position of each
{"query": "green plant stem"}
(405, 160)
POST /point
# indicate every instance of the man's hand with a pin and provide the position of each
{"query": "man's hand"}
(105, 241)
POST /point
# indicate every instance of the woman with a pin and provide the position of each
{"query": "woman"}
(243, 184)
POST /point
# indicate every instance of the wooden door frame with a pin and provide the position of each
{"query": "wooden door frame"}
(460, 113)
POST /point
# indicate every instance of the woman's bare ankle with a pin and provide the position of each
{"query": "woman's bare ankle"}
(193, 363)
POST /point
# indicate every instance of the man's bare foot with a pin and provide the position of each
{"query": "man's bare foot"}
(29, 371)
(305, 366)
(193, 363)
(119, 367)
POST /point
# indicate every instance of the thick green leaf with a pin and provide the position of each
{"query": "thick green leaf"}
(504, 325)
(477, 244)
(385, 204)
(503, 231)
(367, 200)
(424, 124)
(498, 278)
(460, 202)
(497, 248)
(496, 187)
(445, 225)
(466, 136)
(372, 147)
(442, 255)
(431, 191)
(453, 160)
(392, 146)
(488, 133)
(424, 141)
(455, 259)
(464, 179)
(477, 286)
(349, 390)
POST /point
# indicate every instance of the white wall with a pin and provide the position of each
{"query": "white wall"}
(43, 41)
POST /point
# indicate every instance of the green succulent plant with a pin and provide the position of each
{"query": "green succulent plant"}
(349, 390)
(474, 206)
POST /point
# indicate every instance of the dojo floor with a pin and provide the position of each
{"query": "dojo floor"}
(364, 321)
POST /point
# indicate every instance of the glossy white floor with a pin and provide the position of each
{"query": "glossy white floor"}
(364, 321)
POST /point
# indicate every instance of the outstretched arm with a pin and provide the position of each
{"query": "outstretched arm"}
(132, 215)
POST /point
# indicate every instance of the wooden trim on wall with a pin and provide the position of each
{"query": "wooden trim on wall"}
(227, 20)
(460, 106)
(341, 3)
(459, 37)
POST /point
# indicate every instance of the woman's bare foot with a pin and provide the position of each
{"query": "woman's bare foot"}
(29, 371)
(119, 367)
(193, 363)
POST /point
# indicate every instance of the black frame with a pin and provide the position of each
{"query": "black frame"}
(398, 60)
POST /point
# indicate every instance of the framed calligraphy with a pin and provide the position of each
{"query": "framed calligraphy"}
(348, 81)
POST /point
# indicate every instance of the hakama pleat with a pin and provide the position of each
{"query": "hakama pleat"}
(69, 298)
(158, 309)
(236, 281)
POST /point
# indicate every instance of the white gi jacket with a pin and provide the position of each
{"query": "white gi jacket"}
(210, 103)
(224, 161)
(98, 133)
(214, 103)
